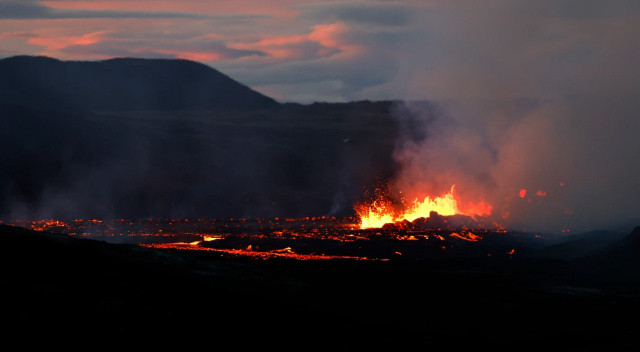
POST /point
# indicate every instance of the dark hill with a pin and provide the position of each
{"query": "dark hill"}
(291, 160)
(607, 257)
(122, 84)
(579, 246)
(634, 236)
(625, 251)
(137, 138)
(71, 292)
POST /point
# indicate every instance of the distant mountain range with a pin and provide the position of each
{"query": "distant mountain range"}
(173, 138)
(122, 84)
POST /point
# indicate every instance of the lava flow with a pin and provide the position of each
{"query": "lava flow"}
(381, 211)
(311, 238)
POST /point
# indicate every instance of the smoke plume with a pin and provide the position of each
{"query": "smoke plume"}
(536, 97)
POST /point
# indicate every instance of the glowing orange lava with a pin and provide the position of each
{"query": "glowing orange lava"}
(286, 253)
(469, 236)
(376, 214)
(381, 212)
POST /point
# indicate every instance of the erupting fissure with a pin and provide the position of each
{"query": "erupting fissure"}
(381, 211)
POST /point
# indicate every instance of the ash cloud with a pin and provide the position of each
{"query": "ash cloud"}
(542, 97)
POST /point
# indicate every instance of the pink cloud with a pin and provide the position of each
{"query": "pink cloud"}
(328, 34)
(19, 35)
(54, 43)
(324, 40)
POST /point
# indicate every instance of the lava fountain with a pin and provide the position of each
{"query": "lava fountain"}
(381, 211)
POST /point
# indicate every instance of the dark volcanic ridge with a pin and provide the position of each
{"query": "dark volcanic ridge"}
(122, 84)
(139, 138)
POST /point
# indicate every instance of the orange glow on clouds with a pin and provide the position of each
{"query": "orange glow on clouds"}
(328, 34)
(105, 38)
(327, 39)
(57, 43)
(289, 46)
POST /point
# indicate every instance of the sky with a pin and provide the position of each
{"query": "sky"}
(542, 95)
(310, 50)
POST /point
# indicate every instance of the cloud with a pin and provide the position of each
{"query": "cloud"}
(21, 10)
(107, 44)
(19, 35)
(347, 59)
(322, 41)
(369, 13)
(333, 44)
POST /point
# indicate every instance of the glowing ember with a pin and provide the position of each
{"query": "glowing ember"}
(469, 236)
(523, 193)
(380, 212)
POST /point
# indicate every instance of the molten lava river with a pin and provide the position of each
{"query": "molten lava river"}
(428, 228)
(317, 238)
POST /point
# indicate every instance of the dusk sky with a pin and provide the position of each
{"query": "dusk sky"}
(306, 50)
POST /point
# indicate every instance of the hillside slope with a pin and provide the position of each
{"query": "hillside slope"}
(291, 160)
(122, 84)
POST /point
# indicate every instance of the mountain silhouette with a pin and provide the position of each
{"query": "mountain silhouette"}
(619, 261)
(138, 138)
(122, 84)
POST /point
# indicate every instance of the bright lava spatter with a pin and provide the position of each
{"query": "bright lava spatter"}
(381, 211)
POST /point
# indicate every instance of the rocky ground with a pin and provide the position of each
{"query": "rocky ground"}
(69, 292)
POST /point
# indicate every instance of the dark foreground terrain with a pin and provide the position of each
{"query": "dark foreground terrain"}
(70, 292)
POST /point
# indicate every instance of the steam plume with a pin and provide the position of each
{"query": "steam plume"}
(542, 98)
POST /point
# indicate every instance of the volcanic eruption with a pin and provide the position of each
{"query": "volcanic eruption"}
(382, 211)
